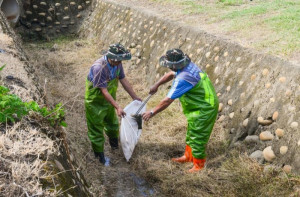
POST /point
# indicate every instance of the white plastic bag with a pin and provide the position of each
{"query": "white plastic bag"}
(129, 132)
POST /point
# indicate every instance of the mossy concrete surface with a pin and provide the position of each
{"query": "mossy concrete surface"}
(258, 92)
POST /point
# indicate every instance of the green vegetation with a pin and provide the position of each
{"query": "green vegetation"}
(59, 40)
(12, 108)
(271, 25)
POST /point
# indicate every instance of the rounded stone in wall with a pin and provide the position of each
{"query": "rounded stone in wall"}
(275, 115)
(207, 54)
(282, 79)
(283, 150)
(243, 95)
(267, 85)
(269, 154)
(265, 72)
(217, 81)
(216, 58)
(287, 168)
(266, 135)
(288, 93)
(245, 122)
(294, 125)
(216, 49)
(220, 107)
(279, 132)
(228, 88)
(66, 18)
(38, 29)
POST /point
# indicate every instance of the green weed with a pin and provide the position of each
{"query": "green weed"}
(231, 2)
(12, 108)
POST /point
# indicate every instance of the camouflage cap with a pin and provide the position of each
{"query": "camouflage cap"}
(117, 52)
(174, 59)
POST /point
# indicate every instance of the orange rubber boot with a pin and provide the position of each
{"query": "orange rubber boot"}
(187, 157)
(198, 165)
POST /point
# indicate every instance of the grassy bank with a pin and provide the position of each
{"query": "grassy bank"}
(271, 25)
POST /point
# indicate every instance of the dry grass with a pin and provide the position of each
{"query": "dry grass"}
(228, 173)
(24, 152)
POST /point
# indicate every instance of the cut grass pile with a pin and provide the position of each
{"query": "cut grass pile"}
(270, 25)
(23, 152)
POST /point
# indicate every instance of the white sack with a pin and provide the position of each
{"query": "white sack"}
(129, 132)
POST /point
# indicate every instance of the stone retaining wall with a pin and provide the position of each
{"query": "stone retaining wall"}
(257, 92)
(45, 19)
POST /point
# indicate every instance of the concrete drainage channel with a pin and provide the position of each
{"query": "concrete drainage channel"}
(259, 94)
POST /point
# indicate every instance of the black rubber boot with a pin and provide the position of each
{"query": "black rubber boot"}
(101, 157)
(114, 143)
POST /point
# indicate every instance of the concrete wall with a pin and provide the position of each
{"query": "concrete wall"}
(249, 85)
(45, 19)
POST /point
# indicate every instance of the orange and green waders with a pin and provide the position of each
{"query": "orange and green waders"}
(200, 106)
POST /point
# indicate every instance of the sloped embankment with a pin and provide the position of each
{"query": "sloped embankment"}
(34, 158)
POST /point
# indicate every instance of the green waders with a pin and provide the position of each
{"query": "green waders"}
(100, 114)
(200, 106)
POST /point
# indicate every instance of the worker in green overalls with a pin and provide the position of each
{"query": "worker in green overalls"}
(100, 98)
(198, 99)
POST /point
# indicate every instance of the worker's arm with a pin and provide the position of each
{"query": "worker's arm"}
(126, 85)
(166, 78)
(160, 107)
(110, 99)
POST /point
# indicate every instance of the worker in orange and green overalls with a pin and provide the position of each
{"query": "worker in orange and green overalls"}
(198, 99)
(100, 98)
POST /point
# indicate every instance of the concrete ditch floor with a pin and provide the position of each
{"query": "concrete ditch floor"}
(62, 69)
